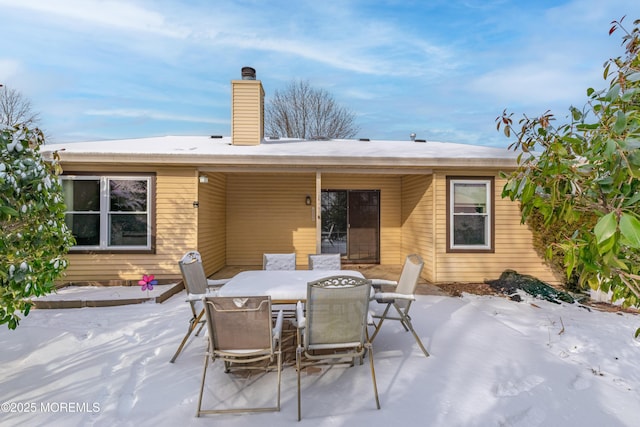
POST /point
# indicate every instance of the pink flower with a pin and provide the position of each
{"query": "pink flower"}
(147, 282)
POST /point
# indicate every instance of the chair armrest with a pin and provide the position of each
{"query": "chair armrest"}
(392, 296)
(216, 283)
(300, 319)
(277, 330)
(199, 297)
(211, 292)
(378, 283)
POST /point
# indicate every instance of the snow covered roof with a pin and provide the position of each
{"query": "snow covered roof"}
(215, 151)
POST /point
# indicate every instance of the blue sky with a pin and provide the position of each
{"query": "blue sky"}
(444, 69)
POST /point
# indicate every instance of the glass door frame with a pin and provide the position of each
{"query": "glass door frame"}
(341, 240)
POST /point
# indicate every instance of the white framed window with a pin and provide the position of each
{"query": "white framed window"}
(109, 212)
(470, 219)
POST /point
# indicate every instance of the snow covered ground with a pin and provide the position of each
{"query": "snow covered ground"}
(494, 362)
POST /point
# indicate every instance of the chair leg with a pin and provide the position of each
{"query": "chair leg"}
(415, 335)
(381, 317)
(368, 347)
(406, 320)
(279, 376)
(204, 374)
(192, 325)
(299, 368)
(199, 329)
(373, 374)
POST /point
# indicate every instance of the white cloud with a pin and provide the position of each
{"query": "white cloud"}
(340, 37)
(362, 54)
(110, 13)
(154, 115)
(553, 59)
(533, 83)
(9, 68)
(361, 94)
(401, 62)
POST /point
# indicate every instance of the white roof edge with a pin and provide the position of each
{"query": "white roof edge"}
(207, 151)
(199, 160)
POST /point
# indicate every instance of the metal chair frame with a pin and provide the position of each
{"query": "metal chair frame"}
(325, 262)
(401, 298)
(241, 334)
(279, 261)
(334, 327)
(197, 285)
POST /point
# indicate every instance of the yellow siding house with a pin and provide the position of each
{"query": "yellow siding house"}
(136, 206)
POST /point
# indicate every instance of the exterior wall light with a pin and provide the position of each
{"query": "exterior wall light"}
(203, 179)
(307, 200)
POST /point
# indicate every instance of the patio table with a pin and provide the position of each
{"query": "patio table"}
(284, 286)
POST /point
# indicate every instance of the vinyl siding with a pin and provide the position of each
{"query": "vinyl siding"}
(513, 242)
(175, 191)
(247, 112)
(417, 220)
(212, 222)
(266, 213)
(243, 215)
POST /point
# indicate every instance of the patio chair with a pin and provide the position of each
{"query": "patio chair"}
(279, 261)
(197, 285)
(334, 328)
(401, 297)
(325, 262)
(242, 335)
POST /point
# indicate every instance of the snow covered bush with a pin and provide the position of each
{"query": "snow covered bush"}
(35, 238)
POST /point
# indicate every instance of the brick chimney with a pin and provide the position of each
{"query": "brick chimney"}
(247, 109)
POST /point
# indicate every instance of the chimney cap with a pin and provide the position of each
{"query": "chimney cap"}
(248, 73)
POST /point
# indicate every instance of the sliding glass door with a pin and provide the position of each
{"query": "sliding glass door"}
(351, 224)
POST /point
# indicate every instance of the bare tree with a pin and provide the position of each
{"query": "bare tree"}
(16, 109)
(300, 111)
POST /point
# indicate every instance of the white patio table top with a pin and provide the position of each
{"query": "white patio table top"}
(284, 286)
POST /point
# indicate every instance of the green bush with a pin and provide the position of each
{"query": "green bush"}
(545, 238)
(35, 238)
(578, 183)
